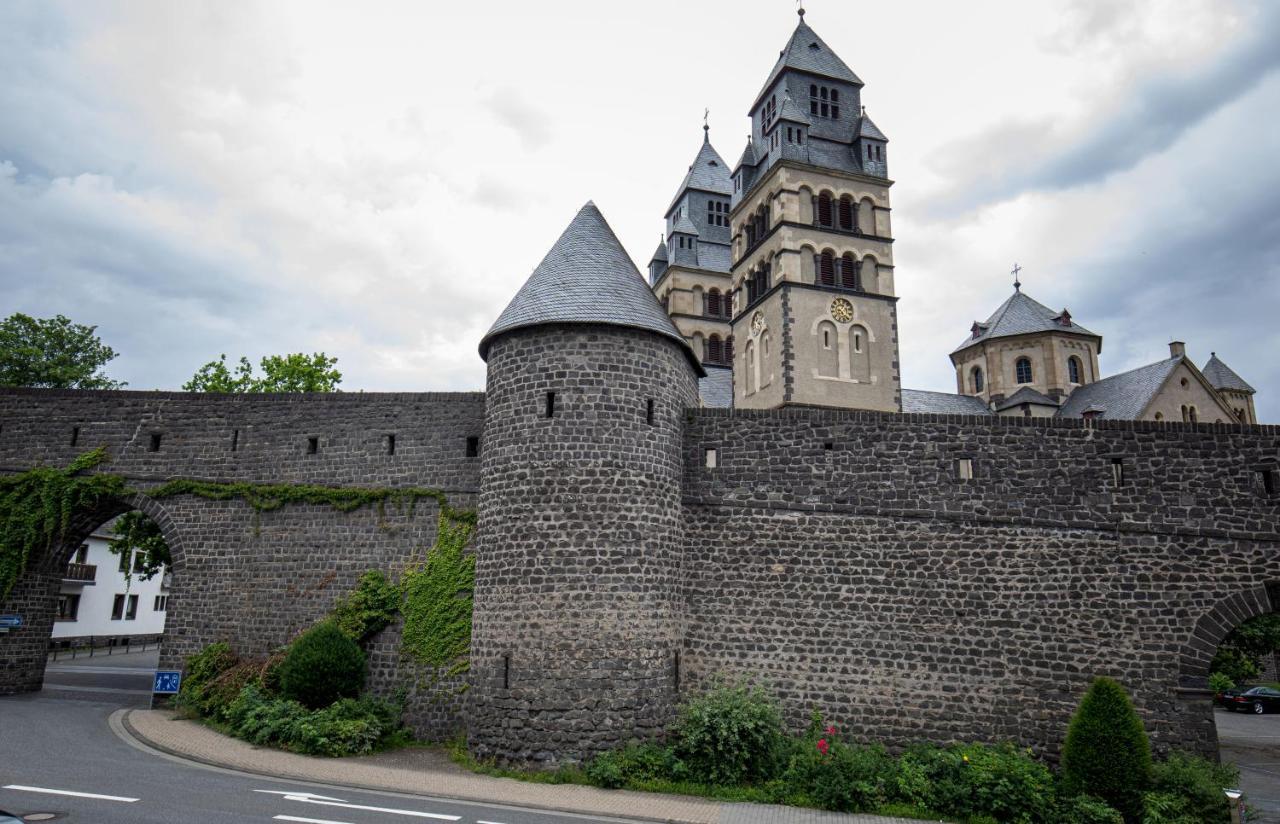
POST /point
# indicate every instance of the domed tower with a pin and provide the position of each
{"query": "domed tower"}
(576, 631)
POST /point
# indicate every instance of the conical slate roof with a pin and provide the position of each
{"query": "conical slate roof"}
(806, 52)
(661, 252)
(1223, 376)
(587, 277)
(685, 226)
(790, 111)
(707, 173)
(868, 129)
(748, 155)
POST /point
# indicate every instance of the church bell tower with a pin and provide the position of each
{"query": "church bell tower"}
(814, 308)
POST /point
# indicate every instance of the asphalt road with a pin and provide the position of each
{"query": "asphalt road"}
(1252, 743)
(60, 741)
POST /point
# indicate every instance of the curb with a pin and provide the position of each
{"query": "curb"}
(139, 738)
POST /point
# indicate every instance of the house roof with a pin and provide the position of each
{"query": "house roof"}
(587, 277)
(1021, 315)
(1120, 397)
(807, 52)
(1223, 376)
(1025, 395)
(707, 173)
(790, 111)
(943, 403)
(716, 389)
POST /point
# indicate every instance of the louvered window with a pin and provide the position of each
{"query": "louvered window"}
(846, 213)
(849, 274)
(826, 269)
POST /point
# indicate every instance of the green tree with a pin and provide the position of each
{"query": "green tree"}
(1239, 656)
(1107, 754)
(280, 373)
(53, 353)
(135, 531)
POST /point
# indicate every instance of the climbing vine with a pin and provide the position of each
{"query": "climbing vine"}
(437, 601)
(36, 508)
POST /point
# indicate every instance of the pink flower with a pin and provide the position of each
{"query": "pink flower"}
(822, 746)
(831, 730)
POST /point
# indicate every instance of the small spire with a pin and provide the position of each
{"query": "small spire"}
(1017, 285)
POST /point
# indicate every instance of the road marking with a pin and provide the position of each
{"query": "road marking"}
(488, 822)
(324, 800)
(48, 791)
(309, 820)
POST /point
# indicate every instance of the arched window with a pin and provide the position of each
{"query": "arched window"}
(1185, 417)
(849, 272)
(813, 98)
(846, 213)
(1023, 370)
(827, 269)
(824, 209)
(715, 350)
(751, 368)
(728, 349)
(1073, 369)
(713, 303)
(859, 354)
(828, 350)
(1193, 417)
(977, 378)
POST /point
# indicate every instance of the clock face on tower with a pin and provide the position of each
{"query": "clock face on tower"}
(842, 310)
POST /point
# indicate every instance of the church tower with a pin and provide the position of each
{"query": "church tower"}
(814, 313)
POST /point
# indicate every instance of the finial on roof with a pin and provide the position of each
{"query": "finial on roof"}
(1017, 285)
(706, 127)
(800, 8)
(864, 111)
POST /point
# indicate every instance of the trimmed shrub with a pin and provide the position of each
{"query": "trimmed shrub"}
(1187, 787)
(1085, 810)
(1106, 753)
(730, 735)
(369, 608)
(322, 666)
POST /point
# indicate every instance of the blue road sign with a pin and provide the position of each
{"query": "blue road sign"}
(167, 682)
(10, 621)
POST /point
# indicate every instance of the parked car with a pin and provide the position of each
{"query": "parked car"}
(5, 818)
(1256, 700)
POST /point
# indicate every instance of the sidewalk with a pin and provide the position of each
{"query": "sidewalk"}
(429, 772)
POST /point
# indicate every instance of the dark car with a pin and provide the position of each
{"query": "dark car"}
(1256, 700)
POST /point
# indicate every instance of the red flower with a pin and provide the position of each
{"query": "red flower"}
(822, 746)
(831, 730)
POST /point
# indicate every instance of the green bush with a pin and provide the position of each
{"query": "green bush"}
(730, 735)
(1001, 782)
(350, 726)
(203, 669)
(1190, 788)
(1106, 753)
(322, 666)
(1085, 810)
(837, 776)
(1220, 681)
(369, 608)
(637, 763)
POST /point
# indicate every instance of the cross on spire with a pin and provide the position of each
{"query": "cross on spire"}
(706, 113)
(1017, 286)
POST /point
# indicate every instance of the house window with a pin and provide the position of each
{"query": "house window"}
(82, 555)
(1073, 369)
(117, 608)
(139, 561)
(161, 603)
(1023, 370)
(977, 379)
(131, 612)
(68, 606)
(124, 562)
(964, 469)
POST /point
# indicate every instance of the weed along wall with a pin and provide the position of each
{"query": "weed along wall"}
(252, 566)
(841, 557)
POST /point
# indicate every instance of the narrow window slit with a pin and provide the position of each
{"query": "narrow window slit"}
(551, 404)
(75, 435)
(235, 439)
(473, 446)
(391, 443)
(648, 415)
(506, 672)
(1117, 471)
(154, 446)
(964, 469)
(676, 670)
(313, 445)
(711, 457)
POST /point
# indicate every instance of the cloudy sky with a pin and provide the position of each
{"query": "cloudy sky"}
(375, 180)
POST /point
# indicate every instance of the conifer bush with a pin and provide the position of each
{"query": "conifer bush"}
(322, 666)
(1106, 754)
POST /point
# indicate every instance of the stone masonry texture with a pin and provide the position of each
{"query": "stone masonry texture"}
(254, 579)
(836, 556)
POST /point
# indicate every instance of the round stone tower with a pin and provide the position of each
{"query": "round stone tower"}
(577, 617)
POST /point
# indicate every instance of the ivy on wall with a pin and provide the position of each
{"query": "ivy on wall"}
(36, 509)
(434, 595)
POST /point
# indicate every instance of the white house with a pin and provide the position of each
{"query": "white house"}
(97, 600)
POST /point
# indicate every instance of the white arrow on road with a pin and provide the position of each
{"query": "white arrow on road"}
(312, 798)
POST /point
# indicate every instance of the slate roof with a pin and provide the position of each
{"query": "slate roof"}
(661, 252)
(587, 277)
(1020, 315)
(790, 111)
(714, 256)
(1025, 395)
(942, 403)
(748, 155)
(685, 226)
(1223, 376)
(1120, 397)
(716, 389)
(707, 173)
(807, 52)
(868, 129)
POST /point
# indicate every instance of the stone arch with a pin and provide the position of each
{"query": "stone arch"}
(866, 216)
(827, 342)
(1216, 624)
(859, 353)
(870, 274)
(824, 208)
(83, 524)
(807, 205)
(699, 301)
(808, 264)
